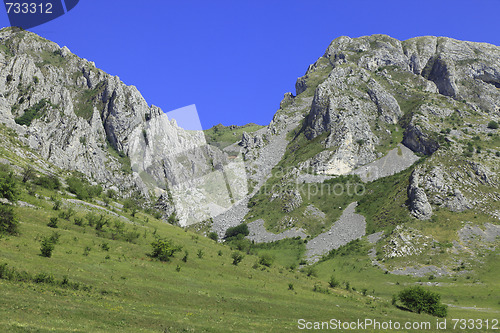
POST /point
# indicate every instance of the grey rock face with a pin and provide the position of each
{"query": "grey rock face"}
(377, 81)
(418, 141)
(419, 204)
(88, 121)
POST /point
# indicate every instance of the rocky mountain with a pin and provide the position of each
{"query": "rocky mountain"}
(81, 119)
(423, 111)
(415, 120)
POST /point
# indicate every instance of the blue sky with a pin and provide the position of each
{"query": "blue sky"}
(236, 59)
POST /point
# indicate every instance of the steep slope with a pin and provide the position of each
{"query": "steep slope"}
(79, 118)
(374, 107)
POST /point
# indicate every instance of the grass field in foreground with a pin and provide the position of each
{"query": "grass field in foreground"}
(131, 292)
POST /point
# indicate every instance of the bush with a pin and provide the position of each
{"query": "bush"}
(200, 253)
(266, 260)
(493, 124)
(172, 219)
(237, 258)
(238, 232)
(36, 111)
(418, 299)
(164, 249)
(8, 185)
(8, 221)
(82, 188)
(213, 236)
(66, 215)
(49, 182)
(47, 247)
(57, 205)
(309, 271)
(53, 222)
(28, 173)
(333, 282)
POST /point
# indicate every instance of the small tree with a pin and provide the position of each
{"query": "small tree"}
(53, 222)
(237, 258)
(8, 221)
(28, 173)
(164, 249)
(266, 260)
(493, 124)
(8, 186)
(418, 299)
(238, 232)
(213, 236)
(47, 247)
(334, 283)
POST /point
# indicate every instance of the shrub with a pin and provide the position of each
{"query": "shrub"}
(43, 278)
(78, 221)
(237, 258)
(200, 253)
(418, 299)
(309, 271)
(8, 221)
(493, 124)
(111, 194)
(164, 249)
(333, 282)
(57, 205)
(8, 185)
(49, 182)
(86, 250)
(213, 236)
(237, 232)
(172, 219)
(47, 247)
(290, 286)
(266, 260)
(36, 111)
(53, 222)
(54, 238)
(185, 258)
(66, 215)
(28, 173)
(82, 188)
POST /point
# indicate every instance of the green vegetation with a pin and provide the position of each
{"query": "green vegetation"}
(384, 202)
(330, 197)
(418, 299)
(8, 222)
(82, 189)
(88, 98)
(8, 183)
(47, 247)
(164, 249)
(493, 124)
(49, 182)
(237, 232)
(122, 158)
(223, 136)
(35, 112)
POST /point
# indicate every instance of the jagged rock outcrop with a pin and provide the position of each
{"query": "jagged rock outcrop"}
(79, 118)
(419, 204)
(371, 83)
